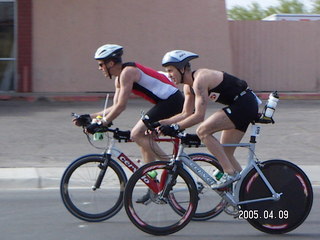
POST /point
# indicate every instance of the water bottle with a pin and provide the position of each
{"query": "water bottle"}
(217, 174)
(152, 174)
(98, 136)
(271, 105)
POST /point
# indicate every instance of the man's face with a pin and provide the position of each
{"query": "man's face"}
(174, 74)
(104, 67)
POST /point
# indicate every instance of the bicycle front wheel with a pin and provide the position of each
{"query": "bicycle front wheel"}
(85, 201)
(156, 216)
(288, 212)
(210, 204)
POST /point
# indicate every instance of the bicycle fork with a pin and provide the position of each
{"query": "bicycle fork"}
(169, 180)
(103, 168)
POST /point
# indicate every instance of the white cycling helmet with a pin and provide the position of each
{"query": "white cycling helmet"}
(108, 51)
(178, 58)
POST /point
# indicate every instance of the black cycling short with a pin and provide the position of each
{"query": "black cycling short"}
(243, 110)
(167, 108)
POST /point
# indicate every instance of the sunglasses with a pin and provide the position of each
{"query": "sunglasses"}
(101, 64)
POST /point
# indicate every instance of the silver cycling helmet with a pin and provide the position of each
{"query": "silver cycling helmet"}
(108, 51)
(178, 58)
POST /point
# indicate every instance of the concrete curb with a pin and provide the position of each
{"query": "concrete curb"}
(16, 178)
(41, 178)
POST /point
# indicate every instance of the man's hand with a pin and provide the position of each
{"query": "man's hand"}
(93, 128)
(98, 127)
(82, 120)
(170, 130)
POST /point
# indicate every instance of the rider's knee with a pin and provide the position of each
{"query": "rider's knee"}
(137, 136)
(202, 132)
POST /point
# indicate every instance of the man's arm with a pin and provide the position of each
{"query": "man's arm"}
(128, 76)
(201, 99)
(188, 108)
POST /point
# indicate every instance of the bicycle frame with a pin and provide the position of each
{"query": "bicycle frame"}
(112, 151)
(233, 198)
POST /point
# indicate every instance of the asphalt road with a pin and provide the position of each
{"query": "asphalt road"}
(40, 214)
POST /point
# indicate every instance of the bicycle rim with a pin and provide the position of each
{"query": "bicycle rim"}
(294, 205)
(82, 200)
(156, 216)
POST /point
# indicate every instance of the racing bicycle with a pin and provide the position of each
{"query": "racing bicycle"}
(92, 186)
(274, 196)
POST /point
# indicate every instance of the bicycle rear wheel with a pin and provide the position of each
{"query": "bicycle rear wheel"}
(85, 202)
(210, 204)
(156, 216)
(294, 205)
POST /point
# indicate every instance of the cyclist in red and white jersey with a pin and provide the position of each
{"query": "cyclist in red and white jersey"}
(143, 81)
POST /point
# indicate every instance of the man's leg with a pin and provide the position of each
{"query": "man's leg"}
(219, 121)
(232, 136)
(149, 153)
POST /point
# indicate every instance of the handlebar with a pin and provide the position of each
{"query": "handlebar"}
(117, 134)
(185, 138)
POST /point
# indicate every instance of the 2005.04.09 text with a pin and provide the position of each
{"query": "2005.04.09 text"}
(266, 214)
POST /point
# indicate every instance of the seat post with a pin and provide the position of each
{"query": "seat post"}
(255, 131)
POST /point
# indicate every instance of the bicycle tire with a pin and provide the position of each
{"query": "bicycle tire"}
(157, 217)
(210, 204)
(81, 200)
(294, 205)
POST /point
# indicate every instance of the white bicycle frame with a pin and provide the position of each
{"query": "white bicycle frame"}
(232, 197)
